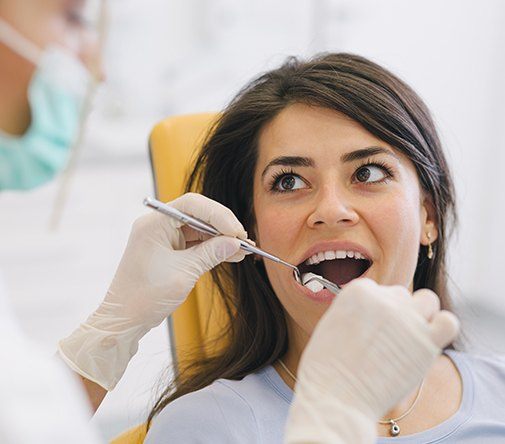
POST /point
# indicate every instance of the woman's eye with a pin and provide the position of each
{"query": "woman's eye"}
(372, 174)
(289, 182)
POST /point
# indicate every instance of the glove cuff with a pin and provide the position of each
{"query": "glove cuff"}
(98, 355)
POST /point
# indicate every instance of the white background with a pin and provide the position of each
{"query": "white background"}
(170, 57)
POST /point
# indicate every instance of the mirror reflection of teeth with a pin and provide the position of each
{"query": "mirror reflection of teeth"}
(313, 286)
(330, 255)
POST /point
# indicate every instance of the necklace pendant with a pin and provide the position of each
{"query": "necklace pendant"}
(394, 429)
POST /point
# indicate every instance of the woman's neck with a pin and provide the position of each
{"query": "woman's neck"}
(298, 340)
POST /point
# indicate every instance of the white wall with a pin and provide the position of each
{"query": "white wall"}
(193, 55)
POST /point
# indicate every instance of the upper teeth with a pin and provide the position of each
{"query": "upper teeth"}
(329, 255)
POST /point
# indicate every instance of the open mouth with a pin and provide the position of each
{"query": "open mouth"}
(339, 266)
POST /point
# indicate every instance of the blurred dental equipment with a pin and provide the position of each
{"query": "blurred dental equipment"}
(91, 88)
(310, 280)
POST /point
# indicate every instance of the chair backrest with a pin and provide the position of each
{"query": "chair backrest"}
(173, 145)
(135, 435)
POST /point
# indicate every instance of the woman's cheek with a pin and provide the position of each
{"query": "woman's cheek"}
(276, 230)
(277, 234)
(396, 227)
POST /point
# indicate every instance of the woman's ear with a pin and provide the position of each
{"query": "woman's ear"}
(428, 221)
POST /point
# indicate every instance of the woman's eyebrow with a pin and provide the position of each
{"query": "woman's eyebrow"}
(366, 152)
(289, 161)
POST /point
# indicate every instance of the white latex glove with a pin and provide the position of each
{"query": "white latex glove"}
(371, 348)
(161, 264)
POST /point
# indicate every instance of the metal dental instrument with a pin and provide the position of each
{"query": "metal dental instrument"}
(203, 227)
(334, 288)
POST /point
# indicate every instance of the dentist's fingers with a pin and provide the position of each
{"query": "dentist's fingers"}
(211, 212)
(426, 303)
(208, 254)
(444, 328)
(193, 237)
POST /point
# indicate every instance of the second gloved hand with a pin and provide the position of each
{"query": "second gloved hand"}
(370, 349)
(161, 264)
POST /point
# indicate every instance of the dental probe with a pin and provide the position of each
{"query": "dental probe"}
(204, 227)
(334, 288)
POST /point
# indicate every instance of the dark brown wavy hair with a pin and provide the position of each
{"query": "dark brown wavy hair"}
(224, 170)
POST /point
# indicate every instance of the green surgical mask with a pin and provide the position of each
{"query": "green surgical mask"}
(56, 94)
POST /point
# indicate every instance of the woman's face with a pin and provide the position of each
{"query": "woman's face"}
(324, 187)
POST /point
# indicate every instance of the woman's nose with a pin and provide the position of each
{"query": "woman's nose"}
(332, 207)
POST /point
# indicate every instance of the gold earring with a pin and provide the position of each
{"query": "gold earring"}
(430, 249)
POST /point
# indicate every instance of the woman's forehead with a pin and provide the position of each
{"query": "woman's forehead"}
(302, 130)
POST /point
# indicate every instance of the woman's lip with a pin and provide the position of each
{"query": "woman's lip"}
(324, 295)
(321, 296)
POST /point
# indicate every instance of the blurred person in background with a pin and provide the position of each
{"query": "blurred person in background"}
(49, 61)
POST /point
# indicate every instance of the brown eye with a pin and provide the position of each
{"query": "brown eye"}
(288, 182)
(363, 174)
(372, 173)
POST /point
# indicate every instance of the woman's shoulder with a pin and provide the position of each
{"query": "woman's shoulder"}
(486, 374)
(224, 411)
(206, 415)
(484, 366)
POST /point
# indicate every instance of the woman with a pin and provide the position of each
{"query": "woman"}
(48, 57)
(335, 165)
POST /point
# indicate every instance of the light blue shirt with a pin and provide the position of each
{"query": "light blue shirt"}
(255, 409)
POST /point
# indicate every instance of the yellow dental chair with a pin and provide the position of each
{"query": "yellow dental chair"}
(173, 145)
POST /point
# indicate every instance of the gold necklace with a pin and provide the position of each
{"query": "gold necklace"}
(394, 429)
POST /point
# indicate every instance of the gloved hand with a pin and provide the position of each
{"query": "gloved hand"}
(161, 264)
(370, 349)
